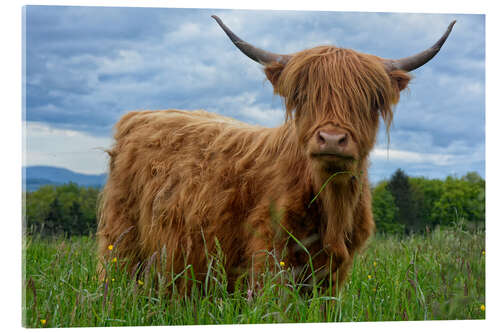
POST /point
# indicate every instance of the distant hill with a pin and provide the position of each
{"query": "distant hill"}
(36, 176)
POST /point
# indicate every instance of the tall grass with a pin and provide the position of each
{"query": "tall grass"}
(439, 275)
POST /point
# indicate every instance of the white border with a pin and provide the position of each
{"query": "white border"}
(11, 141)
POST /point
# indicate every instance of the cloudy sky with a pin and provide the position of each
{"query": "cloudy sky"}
(88, 66)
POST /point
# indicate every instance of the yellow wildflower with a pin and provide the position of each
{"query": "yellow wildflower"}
(369, 277)
(110, 247)
(114, 259)
(140, 282)
(113, 280)
(282, 263)
(374, 264)
(484, 252)
(483, 307)
(43, 321)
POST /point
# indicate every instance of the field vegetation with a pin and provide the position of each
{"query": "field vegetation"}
(426, 262)
(437, 275)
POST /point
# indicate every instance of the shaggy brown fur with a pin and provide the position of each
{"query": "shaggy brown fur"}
(179, 180)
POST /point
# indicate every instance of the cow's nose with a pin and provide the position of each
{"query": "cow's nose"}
(332, 142)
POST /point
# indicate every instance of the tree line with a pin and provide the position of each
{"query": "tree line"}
(407, 205)
(401, 205)
(68, 210)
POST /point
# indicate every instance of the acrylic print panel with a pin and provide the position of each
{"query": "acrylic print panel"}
(226, 217)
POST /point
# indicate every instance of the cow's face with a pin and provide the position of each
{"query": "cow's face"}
(335, 97)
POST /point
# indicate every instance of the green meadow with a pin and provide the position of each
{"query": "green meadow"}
(436, 275)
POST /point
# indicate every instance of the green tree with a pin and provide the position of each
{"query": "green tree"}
(76, 224)
(474, 178)
(385, 210)
(426, 192)
(37, 207)
(89, 197)
(53, 222)
(462, 199)
(67, 209)
(399, 186)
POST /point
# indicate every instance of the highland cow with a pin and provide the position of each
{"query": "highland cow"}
(186, 182)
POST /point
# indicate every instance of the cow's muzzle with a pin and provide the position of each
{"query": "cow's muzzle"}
(334, 143)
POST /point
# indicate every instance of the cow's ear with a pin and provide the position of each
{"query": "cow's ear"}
(273, 72)
(399, 79)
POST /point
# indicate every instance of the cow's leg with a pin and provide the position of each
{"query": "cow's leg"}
(363, 224)
(258, 250)
(362, 229)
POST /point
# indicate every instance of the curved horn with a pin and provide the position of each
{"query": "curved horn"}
(261, 56)
(413, 62)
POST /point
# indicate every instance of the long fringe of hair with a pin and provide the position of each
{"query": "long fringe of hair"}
(327, 82)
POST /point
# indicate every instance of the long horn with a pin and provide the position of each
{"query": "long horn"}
(411, 63)
(261, 56)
